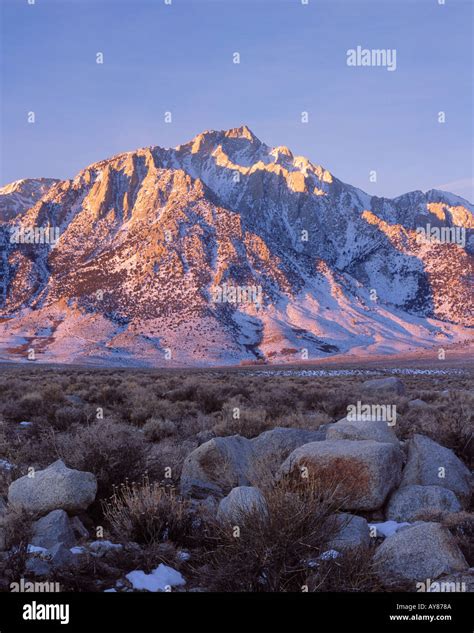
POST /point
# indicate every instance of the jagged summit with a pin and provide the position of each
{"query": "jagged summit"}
(208, 137)
(282, 150)
(241, 132)
(146, 237)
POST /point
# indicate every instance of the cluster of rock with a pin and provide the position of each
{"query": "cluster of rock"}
(379, 475)
(54, 496)
(386, 491)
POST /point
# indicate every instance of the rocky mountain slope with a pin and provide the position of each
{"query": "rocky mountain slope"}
(154, 246)
(20, 195)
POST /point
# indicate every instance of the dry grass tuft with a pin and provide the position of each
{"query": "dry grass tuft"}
(157, 429)
(353, 571)
(147, 513)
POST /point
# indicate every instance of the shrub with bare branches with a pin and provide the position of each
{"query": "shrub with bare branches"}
(147, 513)
(273, 549)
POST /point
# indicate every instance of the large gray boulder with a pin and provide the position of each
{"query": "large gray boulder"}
(223, 463)
(241, 501)
(414, 502)
(391, 385)
(365, 471)
(418, 552)
(217, 466)
(55, 487)
(52, 529)
(376, 430)
(430, 464)
(351, 532)
(272, 447)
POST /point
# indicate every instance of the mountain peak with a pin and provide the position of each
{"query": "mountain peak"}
(448, 198)
(241, 132)
(282, 150)
(210, 138)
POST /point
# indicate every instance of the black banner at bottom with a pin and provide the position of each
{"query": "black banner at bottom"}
(235, 613)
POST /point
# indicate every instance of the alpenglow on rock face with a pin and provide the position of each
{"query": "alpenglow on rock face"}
(222, 250)
(57, 487)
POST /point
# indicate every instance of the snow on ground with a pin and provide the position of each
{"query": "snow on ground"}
(35, 549)
(357, 372)
(160, 579)
(101, 547)
(388, 528)
(329, 555)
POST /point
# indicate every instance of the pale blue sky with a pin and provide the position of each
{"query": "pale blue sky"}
(178, 58)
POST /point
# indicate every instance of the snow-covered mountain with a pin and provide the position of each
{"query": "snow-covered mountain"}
(20, 195)
(224, 250)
